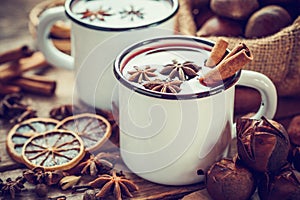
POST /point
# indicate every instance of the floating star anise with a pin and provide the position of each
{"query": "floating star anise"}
(99, 14)
(11, 187)
(115, 183)
(164, 86)
(38, 175)
(132, 13)
(99, 164)
(183, 71)
(138, 75)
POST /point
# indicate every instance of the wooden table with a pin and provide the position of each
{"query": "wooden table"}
(14, 33)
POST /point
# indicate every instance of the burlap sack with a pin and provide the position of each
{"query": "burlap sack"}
(277, 56)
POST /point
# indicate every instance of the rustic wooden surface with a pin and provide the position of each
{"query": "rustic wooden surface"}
(14, 33)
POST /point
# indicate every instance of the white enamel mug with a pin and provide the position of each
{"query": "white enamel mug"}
(96, 22)
(165, 138)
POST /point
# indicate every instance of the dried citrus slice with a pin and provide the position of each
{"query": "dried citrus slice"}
(93, 129)
(53, 150)
(21, 132)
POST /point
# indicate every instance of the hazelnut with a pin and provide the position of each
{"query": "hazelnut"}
(285, 185)
(234, 9)
(218, 26)
(263, 145)
(294, 130)
(228, 180)
(267, 21)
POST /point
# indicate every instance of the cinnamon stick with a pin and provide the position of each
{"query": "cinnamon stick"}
(233, 62)
(35, 84)
(13, 70)
(15, 54)
(217, 53)
(8, 89)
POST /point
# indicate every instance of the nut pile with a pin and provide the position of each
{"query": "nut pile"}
(241, 18)
(266, 160)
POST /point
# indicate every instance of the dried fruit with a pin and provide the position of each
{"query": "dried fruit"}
(263, 145)
(93, 129)
(21, 132)
(53, 150)
(228, 180)
(262, 22)
(285, 185)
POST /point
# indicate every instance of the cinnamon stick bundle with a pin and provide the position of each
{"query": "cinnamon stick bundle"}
(233, 62)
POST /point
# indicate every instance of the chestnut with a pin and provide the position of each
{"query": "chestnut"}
(285, 185)
(294, 130)
(267, 21)
(219, 26)
(234, 9)
(263, 145)
(227, 179)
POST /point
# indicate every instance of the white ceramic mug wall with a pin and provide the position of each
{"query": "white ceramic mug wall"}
(166, 138)
(87, 34)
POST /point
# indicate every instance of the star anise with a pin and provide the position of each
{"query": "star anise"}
(12, 109)
(38, 175)
(183, 71)
(115, 183)
(164, 86)
(11, 187)
(99, 14)
(113, 118)
(64, 111)
(132, 13)
(140, 75)
(94, 165)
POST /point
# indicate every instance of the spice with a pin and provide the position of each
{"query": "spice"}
(12, 187)
(233, 62)
(217, 53)
(98, 14)
(63, 111)
(183, 71)
(164, 86)
(227, 179)
(38, 176)
(11, 108)
(15, 54)
(116, 184)
(263, 145)
(140, 75)
(132, 13)
(96, 164)
(68, 182)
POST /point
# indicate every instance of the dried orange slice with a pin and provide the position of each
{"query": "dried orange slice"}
(53, 150)
(21, 132)
(93, 129)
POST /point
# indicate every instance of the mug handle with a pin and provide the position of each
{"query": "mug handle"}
(45, 45)
(266, 89)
